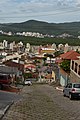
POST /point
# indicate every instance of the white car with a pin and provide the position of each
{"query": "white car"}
(27, 82)
(72, 90)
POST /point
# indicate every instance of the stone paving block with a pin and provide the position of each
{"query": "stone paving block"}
(38, 103)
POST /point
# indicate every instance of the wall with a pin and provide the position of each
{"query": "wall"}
(74, 77)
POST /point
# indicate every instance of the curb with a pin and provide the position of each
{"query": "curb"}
(60, 89)
(2, 112)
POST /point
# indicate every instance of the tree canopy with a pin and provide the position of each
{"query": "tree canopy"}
(65, 65)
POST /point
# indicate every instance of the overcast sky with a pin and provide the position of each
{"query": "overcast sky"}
(52, 11)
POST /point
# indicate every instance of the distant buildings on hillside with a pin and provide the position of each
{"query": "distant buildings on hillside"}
(37, 34)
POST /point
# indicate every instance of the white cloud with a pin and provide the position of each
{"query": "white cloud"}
(21, 10)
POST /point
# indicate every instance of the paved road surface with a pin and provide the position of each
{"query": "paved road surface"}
(43, 102)
(6, 99)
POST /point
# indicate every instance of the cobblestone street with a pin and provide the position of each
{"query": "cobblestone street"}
(43, 102)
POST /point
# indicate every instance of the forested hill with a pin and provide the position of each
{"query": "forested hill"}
(43, 27)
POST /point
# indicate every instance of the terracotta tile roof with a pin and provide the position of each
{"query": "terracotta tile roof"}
(71, 55)
(30, 66)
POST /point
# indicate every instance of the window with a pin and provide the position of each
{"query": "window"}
(76, 67)
(72, 65)
(69, 85)
(76, 85)
(79, 70)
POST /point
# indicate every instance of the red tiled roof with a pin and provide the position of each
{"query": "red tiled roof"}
(71, 55)
(30, 66)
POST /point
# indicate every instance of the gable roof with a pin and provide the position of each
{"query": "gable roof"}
(71, 55)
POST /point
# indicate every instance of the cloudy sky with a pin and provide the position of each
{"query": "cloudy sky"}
(52, 11)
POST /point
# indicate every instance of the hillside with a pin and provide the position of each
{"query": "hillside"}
(43, 27)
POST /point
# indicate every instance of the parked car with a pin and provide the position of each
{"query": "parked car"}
(5, 80)
(72, 90)
(27, 82)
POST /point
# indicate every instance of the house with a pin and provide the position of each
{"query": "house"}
(11, 71)
(50, 60)
(30, 67)
(16, 65)
(20, 67)
(47, 49)
(71, 56)
(8, 70)
(75, 70)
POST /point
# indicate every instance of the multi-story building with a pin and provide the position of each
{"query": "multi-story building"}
(5, 43)
(75, 70)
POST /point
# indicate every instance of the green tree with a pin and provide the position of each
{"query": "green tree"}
(65, 65)
(57, 53)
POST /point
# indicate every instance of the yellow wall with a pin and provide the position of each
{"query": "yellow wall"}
(47, 51)
(53, 75)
